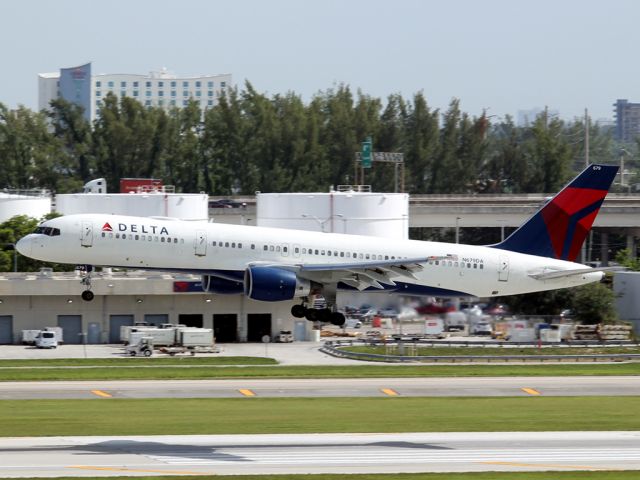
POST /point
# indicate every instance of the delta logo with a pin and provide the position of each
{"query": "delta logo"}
(133, 228)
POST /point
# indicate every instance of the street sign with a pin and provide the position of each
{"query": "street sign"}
(365, 155)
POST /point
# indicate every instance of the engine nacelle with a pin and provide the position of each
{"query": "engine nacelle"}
(221, 286)
(272, 284)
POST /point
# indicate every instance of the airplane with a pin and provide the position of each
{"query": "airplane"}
(273, 264)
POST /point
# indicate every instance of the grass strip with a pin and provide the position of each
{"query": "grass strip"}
(506, 351)
(137, 361)
(315, 415)
(598, 475)
(300, 371)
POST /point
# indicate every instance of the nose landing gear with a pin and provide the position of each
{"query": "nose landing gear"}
(85, 271)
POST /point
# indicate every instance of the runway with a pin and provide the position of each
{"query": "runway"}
(319, 453)
(330, 387)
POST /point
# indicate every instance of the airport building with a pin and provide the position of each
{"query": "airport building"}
(157, 89)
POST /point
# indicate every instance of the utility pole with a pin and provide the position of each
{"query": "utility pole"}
(586, 137)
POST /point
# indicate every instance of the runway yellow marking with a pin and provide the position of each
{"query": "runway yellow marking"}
(102, 394)
(247, 393)
(548, 465)
(123, 469)
(390, 391)
(531, 391)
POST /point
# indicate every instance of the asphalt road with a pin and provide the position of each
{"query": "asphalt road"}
(348, 387)
(318, 453)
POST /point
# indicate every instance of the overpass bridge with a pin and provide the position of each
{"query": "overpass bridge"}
(620, 212)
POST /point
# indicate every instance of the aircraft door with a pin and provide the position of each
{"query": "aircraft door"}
(503, 268)
(201, 243)
(87, 234)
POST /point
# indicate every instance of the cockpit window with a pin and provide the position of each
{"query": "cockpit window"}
(49, 231)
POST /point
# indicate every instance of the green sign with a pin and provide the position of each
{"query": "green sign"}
(365, 155)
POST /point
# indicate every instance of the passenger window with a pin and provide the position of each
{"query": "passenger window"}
(266, 248)
(226, 244)
(271, 248)
(329, 253)
(175, 240)
(285, 249)
(317, 252)
(253, 246)
(360, 256)
(168, 239)
(475, 265)
(104, 234)
(117, 235)
(233, 245)
(137, 237)
(111, 235)
(304, 250)
(322, 252)
(481, 266)
(239, 245)
(124, 236)
(468, 265)
(162, 239)
(355, 255)
(342, 254)
(213, 243)
(277, 248)
(155, 239)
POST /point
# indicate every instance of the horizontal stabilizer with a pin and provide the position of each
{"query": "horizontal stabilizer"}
(551, 274)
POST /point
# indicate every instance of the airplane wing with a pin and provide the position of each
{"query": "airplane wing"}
(362, 275)
(551, 274)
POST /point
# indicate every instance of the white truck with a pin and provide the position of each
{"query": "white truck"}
(46, 339)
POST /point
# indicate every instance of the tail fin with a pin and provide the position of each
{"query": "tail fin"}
(559, 228)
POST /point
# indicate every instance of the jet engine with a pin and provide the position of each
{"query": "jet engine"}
(221, 286)
(273, 284)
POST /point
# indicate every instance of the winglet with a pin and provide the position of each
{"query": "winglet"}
(559, 228)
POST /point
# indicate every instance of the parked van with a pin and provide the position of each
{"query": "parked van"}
(46, 340)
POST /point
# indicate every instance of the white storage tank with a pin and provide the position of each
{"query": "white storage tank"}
(626, 287)
(33, 203)
(185, 206)
(357, 213)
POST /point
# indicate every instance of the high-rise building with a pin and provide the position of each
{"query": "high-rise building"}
(627, 117)
(158, 89)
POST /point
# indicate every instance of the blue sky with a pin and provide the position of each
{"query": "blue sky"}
(503, 55)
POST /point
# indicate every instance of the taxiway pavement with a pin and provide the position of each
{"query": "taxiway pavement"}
(330, 387)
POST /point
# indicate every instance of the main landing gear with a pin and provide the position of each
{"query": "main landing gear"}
(318, 314)
(85, 271)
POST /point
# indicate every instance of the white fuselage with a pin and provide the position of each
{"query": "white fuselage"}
(201, 247)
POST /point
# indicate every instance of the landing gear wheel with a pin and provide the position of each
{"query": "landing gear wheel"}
(324, 315)
(298, 311)
(87, 295)
(337, 318)
(312, 315)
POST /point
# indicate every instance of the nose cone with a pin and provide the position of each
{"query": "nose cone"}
(24, 245)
